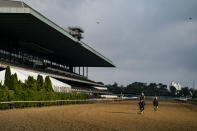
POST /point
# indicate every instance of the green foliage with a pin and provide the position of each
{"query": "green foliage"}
(185, 91)
(70, 96)
(162, 89)
(173, 90)
(10, 95)
(115, 88)
(151, 89)
(32, 90)
(13, 82)
(31, 83)
(4, 93)
(42, 95)
(48, 84)
(7, 77)
(194, 94)
(40, 82)
(138, 88)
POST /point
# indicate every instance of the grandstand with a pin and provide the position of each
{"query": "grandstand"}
(32, 42)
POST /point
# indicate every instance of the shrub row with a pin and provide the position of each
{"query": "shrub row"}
(31, 90)
(24, 104)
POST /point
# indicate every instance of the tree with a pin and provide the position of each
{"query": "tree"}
(135, 88)
(13, 82)
(115, 84)
(186, 91)
(48, 87)
(194, 94)
(10, 95)
(115, 88)
(173, 90)
(153, 89)
(3, 93)
(40, 82)
(31, 83)
(19, 92)
(48, 84)
(7, 77)
(163, 91)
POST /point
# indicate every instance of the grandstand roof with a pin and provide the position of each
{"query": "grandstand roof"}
(20, 21)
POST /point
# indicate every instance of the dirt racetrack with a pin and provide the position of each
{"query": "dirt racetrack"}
(119, 116)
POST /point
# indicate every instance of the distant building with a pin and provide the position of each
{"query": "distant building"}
(176, 85)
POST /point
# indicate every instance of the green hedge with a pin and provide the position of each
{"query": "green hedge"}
(70, 96)
(30, 95)
(32, 90)
(24, 104)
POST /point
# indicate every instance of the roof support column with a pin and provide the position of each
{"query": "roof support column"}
(71, 68)
(87, 72)
(74, 69)
(83, 71)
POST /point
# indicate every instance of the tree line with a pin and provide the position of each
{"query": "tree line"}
(32, 89)
(152, 89)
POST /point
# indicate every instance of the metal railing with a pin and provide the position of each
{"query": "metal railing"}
(25, 104)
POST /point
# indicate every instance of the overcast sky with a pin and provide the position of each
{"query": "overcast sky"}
(147, 40)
